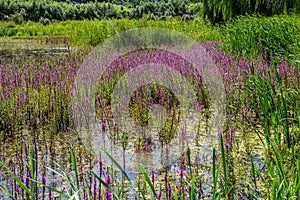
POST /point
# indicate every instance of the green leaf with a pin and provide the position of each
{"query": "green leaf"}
(147, 178)
(6, 192)
(118, 166)
(74, 163)
(105, 185)
(20, 183)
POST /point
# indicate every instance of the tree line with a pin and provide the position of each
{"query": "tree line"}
(216, 11)
(48, 10)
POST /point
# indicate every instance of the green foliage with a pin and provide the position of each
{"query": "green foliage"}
(93, 32)
(265, 36)
(83, 9)
(217, 11)
(52, 10)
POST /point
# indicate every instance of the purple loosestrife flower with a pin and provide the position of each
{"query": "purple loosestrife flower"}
(152, 177)
(107, 194)
(100, 162)
(227, 144)
(50, 194)
(166, 177)
(95, 188)
(187, 188)
(169, 190)
(22, 179)
(149, 148)
(19, 189)
(159, 194)
(181, 172)
(27, 182)
(44, 180)
(113, 121)
(103, 126)
(107, 179)
(197, 160)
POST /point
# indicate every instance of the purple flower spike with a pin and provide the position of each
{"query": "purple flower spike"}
(107, 194)
(22, 179)
(19, 190)
(99, 101)
(27, 182)
(103, 126)
(95, 188)
(50, 195)
(100, 162)
(181, 173)
(107, 179)
(113, 121)
(152, 177)
(166, 177)
(159, 194)
(227, 144)
(169, 190)
(186, 188)
(44, 180)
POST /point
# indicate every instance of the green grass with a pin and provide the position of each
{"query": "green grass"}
(93, 32)
(265, 36)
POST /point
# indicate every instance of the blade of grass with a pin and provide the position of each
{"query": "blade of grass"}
(32, 169)
(253, 171)
(20, 183)
(224, 164)
(193, 195)
(54, 190)
(74, 163)
(6, 192)
(74, 196)
(105, 185)
(148, 180)
(118, 166)
(215, 174)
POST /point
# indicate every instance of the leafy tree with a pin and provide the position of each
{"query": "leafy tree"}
(218, 11)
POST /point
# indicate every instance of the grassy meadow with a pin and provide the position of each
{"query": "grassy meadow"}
(257, 154)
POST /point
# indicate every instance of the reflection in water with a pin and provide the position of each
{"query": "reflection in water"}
(53, 153)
